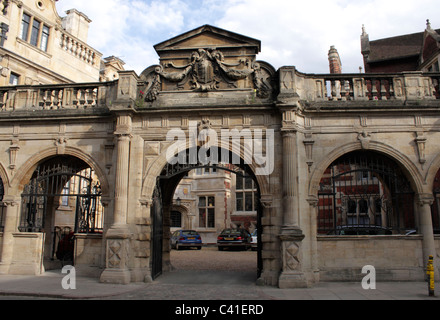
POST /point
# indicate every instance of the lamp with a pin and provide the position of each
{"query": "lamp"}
(178, 201)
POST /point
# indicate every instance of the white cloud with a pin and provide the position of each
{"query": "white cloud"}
(292, 32)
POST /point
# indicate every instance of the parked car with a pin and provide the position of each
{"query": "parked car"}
(355, 230)
(234, 238)
(254, 240)
(186, 238)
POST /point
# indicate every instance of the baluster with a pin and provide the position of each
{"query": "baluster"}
(60, 99)
(4, 100)
(374, 89)
(52, 99)
(86, 97)
(94, 97)
(44, 99)
(78, 97)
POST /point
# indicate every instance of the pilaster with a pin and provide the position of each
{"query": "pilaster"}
(119, 235)
(425, 202)
(10, 227)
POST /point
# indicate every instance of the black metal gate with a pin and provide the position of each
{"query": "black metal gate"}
(53, 184)
(364, 193)
(157, 222)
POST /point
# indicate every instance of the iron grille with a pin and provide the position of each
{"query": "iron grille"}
(52, 184)
(364, 193)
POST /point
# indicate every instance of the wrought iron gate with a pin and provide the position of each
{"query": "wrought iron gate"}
(53, 184)
(157, 221)
(365, 193)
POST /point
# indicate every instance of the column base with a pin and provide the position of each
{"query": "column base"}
(292, 280)
(115, 276)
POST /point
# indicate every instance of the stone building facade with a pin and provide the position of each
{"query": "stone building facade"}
(301, 137)
(37, 46)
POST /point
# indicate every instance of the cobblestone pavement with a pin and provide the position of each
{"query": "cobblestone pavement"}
(209, 258)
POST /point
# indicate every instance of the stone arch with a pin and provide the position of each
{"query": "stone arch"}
(156, 167)
(412, 173)
(25, 171)
(434, 167)
(5, 178)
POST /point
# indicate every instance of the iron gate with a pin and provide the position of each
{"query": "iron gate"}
(53, 184)
(364, 193)
(157, 221)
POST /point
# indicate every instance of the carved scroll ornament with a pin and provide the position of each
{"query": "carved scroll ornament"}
(205, 71)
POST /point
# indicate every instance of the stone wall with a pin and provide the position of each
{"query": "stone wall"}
(396, 258)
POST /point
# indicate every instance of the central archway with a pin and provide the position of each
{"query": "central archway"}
(162, 202)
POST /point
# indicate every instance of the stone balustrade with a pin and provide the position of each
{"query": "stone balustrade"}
(312, 88)
(366, 87)
(53, 97)
(79, 49)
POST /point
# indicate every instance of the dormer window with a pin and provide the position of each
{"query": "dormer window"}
(34, 32)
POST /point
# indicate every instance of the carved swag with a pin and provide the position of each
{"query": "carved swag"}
(205, 72)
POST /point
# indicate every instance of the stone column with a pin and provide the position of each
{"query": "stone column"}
(425, 202)
(119, 235)
(10, 227)
(313, 203)
(289, 178)
(291, 237)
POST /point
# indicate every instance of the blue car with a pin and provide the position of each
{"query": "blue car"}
(186, 238)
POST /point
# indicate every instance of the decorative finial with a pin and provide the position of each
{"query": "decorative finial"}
(364, 33)
(428, 24)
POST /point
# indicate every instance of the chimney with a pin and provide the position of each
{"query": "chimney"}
(77, 24)
(334, 60)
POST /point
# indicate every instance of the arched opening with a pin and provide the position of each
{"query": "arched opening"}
(435, 208)
(365, 193)
(62, 199)
(208, 208)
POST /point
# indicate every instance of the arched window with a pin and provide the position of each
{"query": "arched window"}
(365, 193)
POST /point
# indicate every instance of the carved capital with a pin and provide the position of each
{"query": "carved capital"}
(425, 199)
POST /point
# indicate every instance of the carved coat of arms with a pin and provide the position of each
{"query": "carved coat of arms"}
(206, 70)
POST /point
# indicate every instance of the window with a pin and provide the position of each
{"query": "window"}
(44, 38)
(206, 212)
(245, 196)
(357, 212)
(35, 32)
(176, 219)
(13, 79)
(25, 22)
(65, 197)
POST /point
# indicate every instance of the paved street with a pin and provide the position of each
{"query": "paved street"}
(203, 275)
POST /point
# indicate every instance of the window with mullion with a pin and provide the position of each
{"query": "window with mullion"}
(25, 22)
(35, 32)
(206, 212)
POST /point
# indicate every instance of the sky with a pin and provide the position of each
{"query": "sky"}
(292, 33)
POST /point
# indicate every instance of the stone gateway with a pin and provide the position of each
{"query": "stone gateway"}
(352, 182)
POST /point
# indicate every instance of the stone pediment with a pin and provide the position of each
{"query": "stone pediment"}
(208, 37)
(208, 59)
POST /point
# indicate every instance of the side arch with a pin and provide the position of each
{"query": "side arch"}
(434, 167)
(25, 171)
(412, 173)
